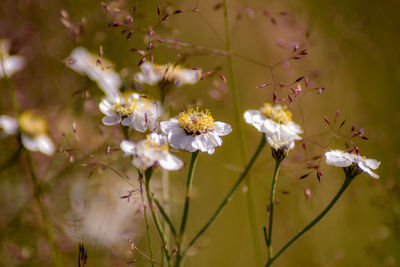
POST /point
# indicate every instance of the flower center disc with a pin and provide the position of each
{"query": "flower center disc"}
(125, 106)
(276, 113)
(31, 124)
(196, 122)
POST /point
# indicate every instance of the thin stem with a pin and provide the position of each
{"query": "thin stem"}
(11, 89)
(271, 208)
(11, 160)
(155, 217)
(230, 194)
(238, 122)
(146, 221)
(38, 196)
(346, 183)
(188, 192)
(165, 216)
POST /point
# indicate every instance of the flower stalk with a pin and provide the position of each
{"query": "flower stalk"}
(238, 122)
(271, 207)
(344, 186)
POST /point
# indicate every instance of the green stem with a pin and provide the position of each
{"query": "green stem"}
(155, 217)
(230, 194)
(242, 144)
(346, 183)
(271, 207)
(146, 220)
(188, 191)
(11, 89)
(165, 216)
(180, 257)
(38, 196)
(11, 160)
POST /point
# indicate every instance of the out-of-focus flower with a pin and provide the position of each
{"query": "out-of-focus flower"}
(85, 63)
(352, 163)
(103, 211)
(12, 64)
(195, 130)
(131, 109)
(33, 131)
(154, 149)
(152, 74)
(276, 122)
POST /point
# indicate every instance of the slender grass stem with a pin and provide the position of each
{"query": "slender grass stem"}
(165, 216)
(38, 196)
(155, 217)
(146, 222)
(271, 208)
(346, 183)
(238, 122)
(11, 89)
(230, 194)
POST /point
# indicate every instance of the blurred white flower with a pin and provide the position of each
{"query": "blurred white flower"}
(12, 64)
(152, 74)
(33, 131)
(154, 149)
(195, 130)
(131, 109)
(104, 211)
(276, 122)
(85, 63)
(344, 159)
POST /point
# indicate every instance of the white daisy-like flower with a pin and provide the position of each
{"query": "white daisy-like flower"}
(12, 64)
(277, 124)
(85, 63)
(152, 74)
(194, 130)
(154, 149)
(131, 109)
(33, 131)
(345, 159)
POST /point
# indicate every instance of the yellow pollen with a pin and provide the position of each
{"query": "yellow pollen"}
(196, 122)
(125, 106)
(149, 144)
(31, 124)
(276, 113)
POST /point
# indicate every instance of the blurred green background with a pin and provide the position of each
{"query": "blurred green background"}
(352, 48)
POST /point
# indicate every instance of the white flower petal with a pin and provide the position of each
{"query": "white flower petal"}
(167, 126)
(9, 125)
(255, 118)
(366, 169)
(337, 158)
(222, 128)
(127, 121)
(372, 163)
(29, 142)
(105, 107)
(12, 65)
(44, 145)
(170, 163)
(128, 147)
(111, 120)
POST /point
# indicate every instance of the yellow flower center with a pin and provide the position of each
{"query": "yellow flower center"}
(150, 144)
(125, 105)
(276, 113)
(196, 122)
(31, 124)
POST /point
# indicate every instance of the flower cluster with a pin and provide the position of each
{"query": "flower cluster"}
(352, 163)
(152, 74)
(277, 124)
(11, 64)
(195, 130)
(33, 130)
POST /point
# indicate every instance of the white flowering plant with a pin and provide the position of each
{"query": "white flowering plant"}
(146, 169)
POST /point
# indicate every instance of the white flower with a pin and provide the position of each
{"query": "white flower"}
(12, 64)
(344, 159)
(132, 110)
(276, 122)
(195, 130)
(33, 131)
(154, 149)
(152, 74)
(86, 63)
